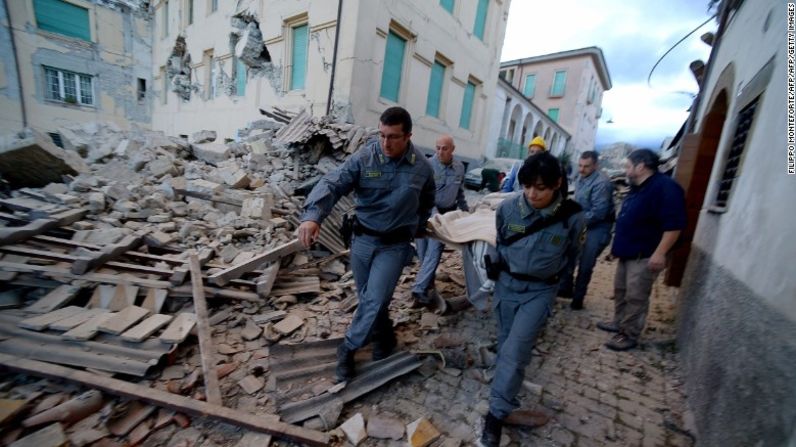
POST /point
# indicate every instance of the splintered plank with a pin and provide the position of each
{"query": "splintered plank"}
(58, 297)
(266, 281)
(206, 349)
(154, 300)
(107, 253)
(124, 319)
(87, 330)
(179, 328)
(9, 235)
(8, 276)
(102, 296)
(141, 331)
(76, 320)
(41, 322)
(261, 423)
(123, 296)
(236, 271)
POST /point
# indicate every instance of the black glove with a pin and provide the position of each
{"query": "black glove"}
(492, 269)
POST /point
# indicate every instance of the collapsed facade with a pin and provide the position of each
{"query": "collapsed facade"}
(437, 59)
(72, 62)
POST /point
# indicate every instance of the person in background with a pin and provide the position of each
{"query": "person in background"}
(594, 192)
(648, 226)
(394, 185)
(511, 182)
(449, 179)
(537, 230)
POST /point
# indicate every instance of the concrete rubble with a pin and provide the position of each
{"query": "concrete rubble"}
(234, 201)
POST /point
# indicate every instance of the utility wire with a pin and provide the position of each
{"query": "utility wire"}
(649, 76)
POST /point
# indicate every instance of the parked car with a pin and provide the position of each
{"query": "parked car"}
(495, 167)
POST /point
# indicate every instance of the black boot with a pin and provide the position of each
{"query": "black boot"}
(383, 339)
(345, 364)
(492, 431)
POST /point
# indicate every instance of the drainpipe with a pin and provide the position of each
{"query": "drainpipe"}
(334, 55)
(16, 65)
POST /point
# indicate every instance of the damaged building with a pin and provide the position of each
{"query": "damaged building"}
(427, 56)
(74, 61)
(188, 65)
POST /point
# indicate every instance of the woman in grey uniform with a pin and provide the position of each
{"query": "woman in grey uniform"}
(536, 229)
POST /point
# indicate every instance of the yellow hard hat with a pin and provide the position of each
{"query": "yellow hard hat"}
(538, 141)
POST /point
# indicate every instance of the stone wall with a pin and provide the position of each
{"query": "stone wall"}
(737, 355)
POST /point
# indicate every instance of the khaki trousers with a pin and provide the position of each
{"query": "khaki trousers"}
(632, 288)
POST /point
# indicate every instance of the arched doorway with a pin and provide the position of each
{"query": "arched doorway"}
(694, 165)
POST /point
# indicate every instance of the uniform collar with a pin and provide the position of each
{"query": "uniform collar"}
(526, 209)
(410, 156)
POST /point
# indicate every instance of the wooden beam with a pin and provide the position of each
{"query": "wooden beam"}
(165, 399)
(236, 271)
(96, 277)
(10, 235)
(107, 253)
(206, 350)
(215, 292)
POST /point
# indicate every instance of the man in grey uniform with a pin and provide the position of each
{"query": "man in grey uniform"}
(594, 192)
(394, 185)
(449, 178)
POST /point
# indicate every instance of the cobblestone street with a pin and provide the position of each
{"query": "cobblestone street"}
(594, 396)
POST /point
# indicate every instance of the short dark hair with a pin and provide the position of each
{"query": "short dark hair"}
(543, 166)
(590, 154)
(397, 115)
(645, 156)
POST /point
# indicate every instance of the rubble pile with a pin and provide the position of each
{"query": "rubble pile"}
(95, 269)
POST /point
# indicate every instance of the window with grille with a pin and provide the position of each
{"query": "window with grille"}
(732, 168)
(447, 4)
(69, 87)
(553, 114)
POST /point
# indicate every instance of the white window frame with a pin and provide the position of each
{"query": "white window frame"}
(62, 90)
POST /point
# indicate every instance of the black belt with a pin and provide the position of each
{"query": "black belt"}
(445, 210)
(530, 278)
(403, 234)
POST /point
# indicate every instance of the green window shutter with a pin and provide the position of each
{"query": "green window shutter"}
(393, 65)
(553, 114)
(530, 85)
(467, 106)
(447, 4)
(60, 17)
(559, 83)
(480, 19)
(299, 73)
(435, 89)
(240, 78)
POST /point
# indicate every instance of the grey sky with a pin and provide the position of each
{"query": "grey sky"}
(633, 34)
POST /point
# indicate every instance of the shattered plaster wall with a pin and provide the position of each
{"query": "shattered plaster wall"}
(117, 56)
(188, 107)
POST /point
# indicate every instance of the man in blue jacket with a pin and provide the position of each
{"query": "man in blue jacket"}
(648, 226)
(594, 192)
